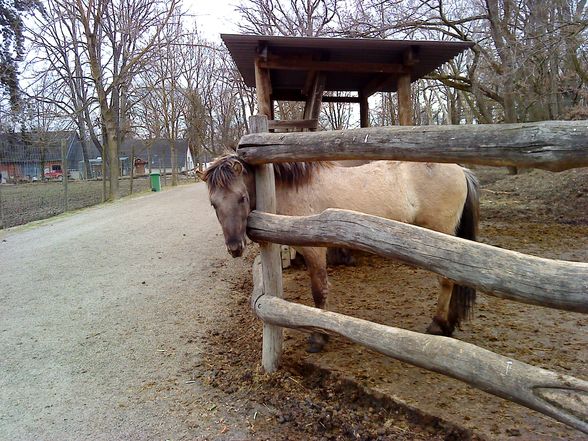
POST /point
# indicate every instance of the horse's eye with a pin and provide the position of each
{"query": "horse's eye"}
(213, 206)
(242, 199)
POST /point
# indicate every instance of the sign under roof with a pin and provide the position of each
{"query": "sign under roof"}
(362, 65)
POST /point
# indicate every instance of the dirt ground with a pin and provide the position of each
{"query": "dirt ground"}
(103, 322)
(349, 392)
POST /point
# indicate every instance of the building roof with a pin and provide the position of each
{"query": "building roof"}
(372, 65)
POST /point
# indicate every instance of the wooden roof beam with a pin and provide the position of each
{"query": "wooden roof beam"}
(282, 63)
(377, 84)
(341, 99)
(293, 124)
(296, 95)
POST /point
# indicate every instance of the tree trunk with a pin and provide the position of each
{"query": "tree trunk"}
(112, 139)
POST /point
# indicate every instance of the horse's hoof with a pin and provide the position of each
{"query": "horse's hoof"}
(316, 342)
(440, 327)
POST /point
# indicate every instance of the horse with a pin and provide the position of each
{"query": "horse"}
(440, 197)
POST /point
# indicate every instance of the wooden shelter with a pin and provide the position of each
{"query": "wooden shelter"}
(303, 68)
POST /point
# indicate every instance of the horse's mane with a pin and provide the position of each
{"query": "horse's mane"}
(223, 170)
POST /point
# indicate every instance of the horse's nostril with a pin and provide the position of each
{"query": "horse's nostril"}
(235, 250)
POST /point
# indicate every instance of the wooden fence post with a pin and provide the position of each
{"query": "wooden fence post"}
(132, 168)
(271, 260)
(1, 206)
(64, 172)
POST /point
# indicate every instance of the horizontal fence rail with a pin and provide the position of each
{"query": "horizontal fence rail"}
(562, 397)
(503, 273)
(549, 145)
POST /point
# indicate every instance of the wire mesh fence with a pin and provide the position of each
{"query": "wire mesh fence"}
(40, 180)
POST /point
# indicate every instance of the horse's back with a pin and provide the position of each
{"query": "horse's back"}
(425, 194)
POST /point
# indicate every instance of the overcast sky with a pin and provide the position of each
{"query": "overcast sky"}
(214, 17)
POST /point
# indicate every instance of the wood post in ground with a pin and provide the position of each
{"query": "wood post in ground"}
(271, 259)
(1, 207)
(64, 171)
(132, 168)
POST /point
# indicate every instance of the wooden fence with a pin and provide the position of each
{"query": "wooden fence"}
(558, 284)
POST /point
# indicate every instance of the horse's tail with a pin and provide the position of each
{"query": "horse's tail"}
(463, 298)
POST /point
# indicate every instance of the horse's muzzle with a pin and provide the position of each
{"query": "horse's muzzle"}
(236, 249)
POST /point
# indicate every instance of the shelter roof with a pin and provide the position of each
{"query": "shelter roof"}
(362, 65)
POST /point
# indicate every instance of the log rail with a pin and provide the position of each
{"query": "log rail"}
(562, 397)
(503, 273)
(549, 145)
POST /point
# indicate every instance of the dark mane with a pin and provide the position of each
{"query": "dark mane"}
(221, 173)
(296, 174)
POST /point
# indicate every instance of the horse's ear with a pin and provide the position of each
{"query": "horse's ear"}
(238, 167)
(200, 174)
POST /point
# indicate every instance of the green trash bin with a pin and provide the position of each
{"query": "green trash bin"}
(155, 181)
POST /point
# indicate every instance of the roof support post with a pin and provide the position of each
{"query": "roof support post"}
(409, 59)
(364, 111)
(263, 88)
(404, 101)
(315, 98)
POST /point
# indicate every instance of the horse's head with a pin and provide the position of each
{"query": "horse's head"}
(232, 195)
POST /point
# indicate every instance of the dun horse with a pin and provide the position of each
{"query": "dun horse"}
(441, 197)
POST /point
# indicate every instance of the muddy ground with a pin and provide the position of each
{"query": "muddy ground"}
(349, 392)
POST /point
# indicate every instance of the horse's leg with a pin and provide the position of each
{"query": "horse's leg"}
(455, 305)
(443, 322)
(316, 262)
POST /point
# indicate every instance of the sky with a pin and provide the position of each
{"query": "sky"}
(214, 17)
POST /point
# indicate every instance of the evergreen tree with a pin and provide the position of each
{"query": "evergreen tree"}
(12, 42)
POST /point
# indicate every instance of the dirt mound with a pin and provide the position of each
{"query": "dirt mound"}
(535, 195)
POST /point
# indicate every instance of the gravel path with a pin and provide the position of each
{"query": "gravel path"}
(102, 317)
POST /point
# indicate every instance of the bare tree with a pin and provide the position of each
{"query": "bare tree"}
(514, 72)
(164, 81)
(56, 43)
(119, 37)
(199, 63)
(306, 18)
